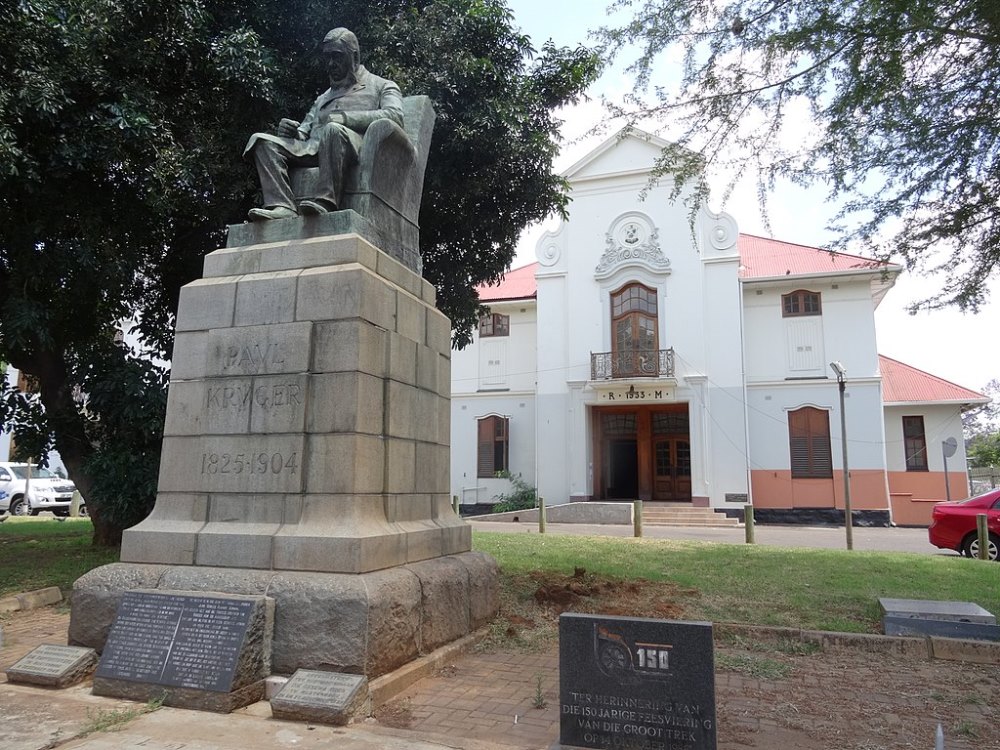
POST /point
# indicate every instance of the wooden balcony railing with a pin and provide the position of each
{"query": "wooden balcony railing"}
(637, 363)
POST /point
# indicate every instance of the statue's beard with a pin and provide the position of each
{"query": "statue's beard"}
(341, 79)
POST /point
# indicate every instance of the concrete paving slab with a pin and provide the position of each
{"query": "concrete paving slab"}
(41, 719)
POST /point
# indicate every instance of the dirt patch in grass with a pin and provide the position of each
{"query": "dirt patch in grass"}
(530, 604)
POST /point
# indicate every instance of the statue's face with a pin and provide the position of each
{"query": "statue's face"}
(339, 62)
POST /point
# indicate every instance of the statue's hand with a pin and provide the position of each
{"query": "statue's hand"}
(288, 128)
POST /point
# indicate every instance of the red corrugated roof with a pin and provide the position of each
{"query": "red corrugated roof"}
(905, 384)
(762, 257)
(519, 283)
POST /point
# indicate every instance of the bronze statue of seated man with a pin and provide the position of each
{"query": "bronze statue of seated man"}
(329, 137)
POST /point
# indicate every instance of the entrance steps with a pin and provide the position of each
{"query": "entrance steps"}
(663, 514)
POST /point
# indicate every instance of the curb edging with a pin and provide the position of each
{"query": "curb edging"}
(31, 600)
(929, 647)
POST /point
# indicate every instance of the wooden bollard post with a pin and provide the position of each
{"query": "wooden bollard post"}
(984, 536)
(748, 522)
(637, 518)
(541, 514)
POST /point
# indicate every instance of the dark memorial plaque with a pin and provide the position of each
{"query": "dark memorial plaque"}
(209, 651)
(176, 640)
(312, 695)
(636, 684)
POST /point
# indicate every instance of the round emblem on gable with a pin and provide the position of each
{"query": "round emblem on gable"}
(632, 234)
(548, 254)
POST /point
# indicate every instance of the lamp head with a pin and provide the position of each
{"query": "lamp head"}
(839, 369)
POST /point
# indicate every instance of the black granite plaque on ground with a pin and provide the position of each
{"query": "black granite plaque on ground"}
(920, 627)
(312, 695)
(190, 649)
(53, 666)
(636, 684)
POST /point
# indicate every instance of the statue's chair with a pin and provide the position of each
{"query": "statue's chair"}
(386, 184)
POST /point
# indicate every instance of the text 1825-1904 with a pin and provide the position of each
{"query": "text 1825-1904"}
(249, 463)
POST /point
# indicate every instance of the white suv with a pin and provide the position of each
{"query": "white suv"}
(46, 491)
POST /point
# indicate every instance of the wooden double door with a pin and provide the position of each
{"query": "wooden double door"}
(642, 452)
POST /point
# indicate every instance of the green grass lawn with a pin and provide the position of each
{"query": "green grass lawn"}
(40, 552)
(807, 588)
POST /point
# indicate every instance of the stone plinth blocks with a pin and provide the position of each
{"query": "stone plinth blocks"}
(307, 419)
(306, 459)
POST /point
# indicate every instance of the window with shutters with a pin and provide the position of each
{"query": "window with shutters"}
(800, 302)
(915, 443)
(494, 324)
(493, 448)
(809, 443)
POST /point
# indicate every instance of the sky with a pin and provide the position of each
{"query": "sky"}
(959, 347)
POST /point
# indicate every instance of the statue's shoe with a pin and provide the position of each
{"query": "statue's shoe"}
(275, 212)
(315, 208)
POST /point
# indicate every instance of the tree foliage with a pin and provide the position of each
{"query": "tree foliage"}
(121, 125)
(902, 96)
(982, 428)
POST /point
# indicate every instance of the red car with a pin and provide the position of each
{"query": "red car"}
(953, 525)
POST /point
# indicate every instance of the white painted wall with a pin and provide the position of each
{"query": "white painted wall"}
(465, 413)
(769, 404)
(940, 423)
(844, 332)
(740, 366)
(698, 311)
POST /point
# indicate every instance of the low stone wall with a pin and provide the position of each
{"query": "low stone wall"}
(593, 513)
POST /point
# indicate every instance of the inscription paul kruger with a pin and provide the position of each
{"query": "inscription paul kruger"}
(242, 395)
(254, 358)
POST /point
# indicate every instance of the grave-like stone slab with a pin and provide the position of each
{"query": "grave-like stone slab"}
(190, 650)
(919, 626)
(937, 610)
(324, 697)
(53, 666)
(636, 684)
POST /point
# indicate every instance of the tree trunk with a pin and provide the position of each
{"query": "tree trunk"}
(69, 429)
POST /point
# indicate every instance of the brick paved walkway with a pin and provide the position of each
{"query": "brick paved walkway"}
(838, 700)
(842, 700)
(487, 697)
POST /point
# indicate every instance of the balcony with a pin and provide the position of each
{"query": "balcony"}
(637, 363)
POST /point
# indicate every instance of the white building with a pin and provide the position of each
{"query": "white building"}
(643, 357)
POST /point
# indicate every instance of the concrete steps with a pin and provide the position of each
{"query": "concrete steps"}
(680, 515)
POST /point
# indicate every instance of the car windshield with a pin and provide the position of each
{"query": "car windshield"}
(21, 472)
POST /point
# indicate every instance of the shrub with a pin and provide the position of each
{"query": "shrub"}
(522, 495)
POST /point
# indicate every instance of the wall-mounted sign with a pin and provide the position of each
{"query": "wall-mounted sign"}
(637, 394)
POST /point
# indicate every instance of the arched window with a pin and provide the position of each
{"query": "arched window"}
(809, 443)
(493, 446)
(634, 335)
(800, 302)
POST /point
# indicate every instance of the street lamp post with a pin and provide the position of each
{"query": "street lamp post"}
(848, 520)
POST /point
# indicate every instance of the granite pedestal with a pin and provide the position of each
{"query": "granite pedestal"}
(306, 456)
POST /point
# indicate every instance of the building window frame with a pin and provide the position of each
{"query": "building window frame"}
(492, 445)
(801, 303)
(494, 324)
(635, 330)
(915, 443)
(809, 445)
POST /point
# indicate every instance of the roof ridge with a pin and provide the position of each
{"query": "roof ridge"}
(842, 254)
(938, 378)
